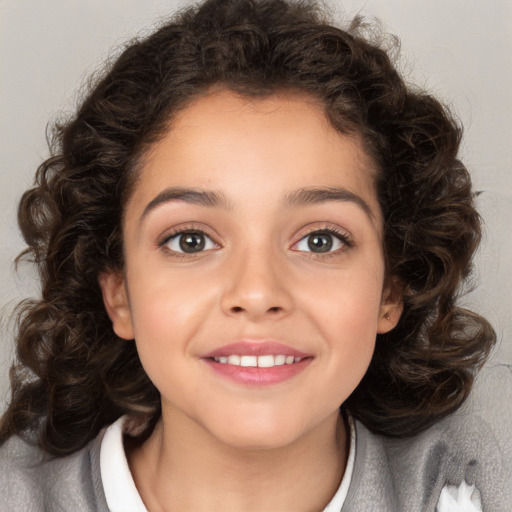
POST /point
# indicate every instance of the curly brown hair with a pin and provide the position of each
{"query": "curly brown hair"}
(73, 375)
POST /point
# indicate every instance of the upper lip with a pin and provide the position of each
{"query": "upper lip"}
(256, 348)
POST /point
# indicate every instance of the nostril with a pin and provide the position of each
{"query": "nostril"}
(239, 309)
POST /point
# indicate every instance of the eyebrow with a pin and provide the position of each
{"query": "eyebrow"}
(309, 196)
(300, 197)
(209, 198)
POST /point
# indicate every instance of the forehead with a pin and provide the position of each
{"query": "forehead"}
(241, 145)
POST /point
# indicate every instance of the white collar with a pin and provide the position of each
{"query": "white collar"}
(122, 495)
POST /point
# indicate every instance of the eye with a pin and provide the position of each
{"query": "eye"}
(321, 242)
(189, 242)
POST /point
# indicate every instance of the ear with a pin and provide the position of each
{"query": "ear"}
(116, 302)
(390, 311)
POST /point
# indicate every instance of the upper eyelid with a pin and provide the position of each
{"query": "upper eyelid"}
(341, 234)
(333, 230)
(187, 228)
(336, 231)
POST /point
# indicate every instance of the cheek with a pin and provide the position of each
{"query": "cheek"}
(347, 300)
(163, 327)
(345, 310)
(165, 318)
(168, 301)
(350, 330)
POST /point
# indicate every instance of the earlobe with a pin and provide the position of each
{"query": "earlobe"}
(115, 299)
(389, 315)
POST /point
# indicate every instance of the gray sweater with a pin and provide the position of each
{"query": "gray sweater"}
(390, 475)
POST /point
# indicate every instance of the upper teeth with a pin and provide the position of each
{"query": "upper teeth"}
(267, 361)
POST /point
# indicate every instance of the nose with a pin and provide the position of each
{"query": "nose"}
(257, 287)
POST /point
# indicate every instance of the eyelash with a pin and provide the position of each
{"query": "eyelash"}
(341, 236)
(180, 232)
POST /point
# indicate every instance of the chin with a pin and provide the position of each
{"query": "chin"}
(259, 442)
(259, 435)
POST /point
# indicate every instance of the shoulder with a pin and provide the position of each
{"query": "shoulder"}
(32, 480)
(472, 446)
(477, 439)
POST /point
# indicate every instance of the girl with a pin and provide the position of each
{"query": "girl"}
(250, 222)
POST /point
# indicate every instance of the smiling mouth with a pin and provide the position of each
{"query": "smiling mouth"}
(257, 371)
(256, 363)
(264, 361)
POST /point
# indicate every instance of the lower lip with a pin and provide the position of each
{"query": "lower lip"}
(255, 376)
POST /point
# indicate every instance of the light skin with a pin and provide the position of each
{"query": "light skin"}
(279, 215)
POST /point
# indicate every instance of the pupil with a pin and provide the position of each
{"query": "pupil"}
(320, 243)
(192, 242)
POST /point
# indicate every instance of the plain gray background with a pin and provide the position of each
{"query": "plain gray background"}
(461, 50)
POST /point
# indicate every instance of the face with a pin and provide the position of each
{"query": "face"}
(254, 273)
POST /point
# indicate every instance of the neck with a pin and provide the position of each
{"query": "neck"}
(183, 467)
